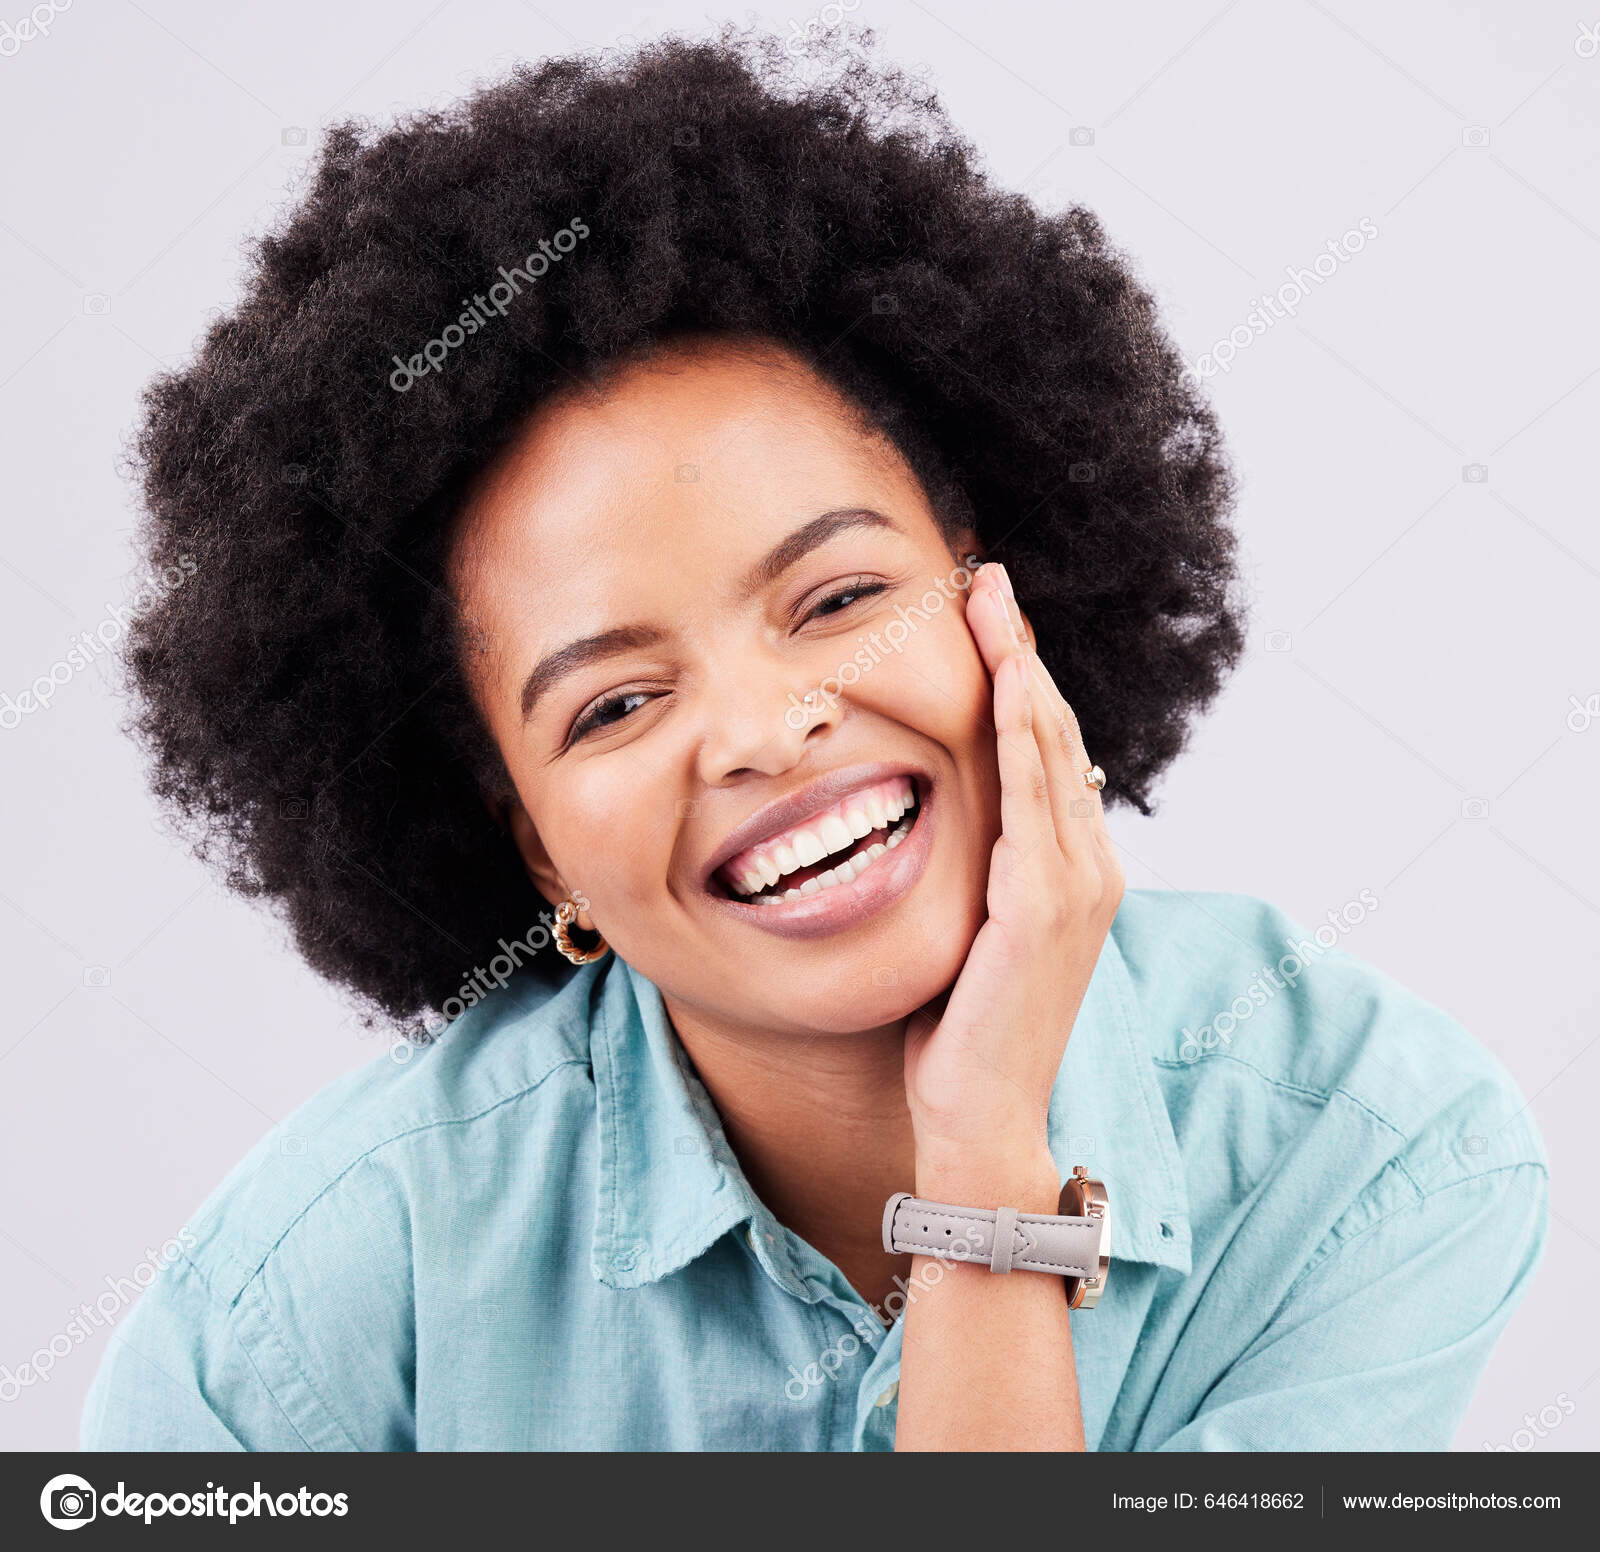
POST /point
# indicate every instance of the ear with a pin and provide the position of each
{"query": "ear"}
(541, 870)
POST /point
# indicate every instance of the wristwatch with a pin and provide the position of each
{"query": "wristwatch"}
(1075, 1244)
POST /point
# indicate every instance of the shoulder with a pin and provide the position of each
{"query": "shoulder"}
(289, 1319)
(1244, 1005)
(515, 1066)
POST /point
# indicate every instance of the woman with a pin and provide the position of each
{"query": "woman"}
(643, 525)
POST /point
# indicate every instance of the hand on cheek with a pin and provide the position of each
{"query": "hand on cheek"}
(979, 1070)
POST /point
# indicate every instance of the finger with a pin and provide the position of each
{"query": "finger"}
(1061, 740)
(993, 618)
(1026, 820)
(1081, 815)
(1073, 812)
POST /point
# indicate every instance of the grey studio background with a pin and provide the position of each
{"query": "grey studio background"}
(1417, 715)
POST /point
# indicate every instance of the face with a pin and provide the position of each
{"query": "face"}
(722, 649)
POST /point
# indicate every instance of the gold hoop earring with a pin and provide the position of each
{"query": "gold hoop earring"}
(566, 914)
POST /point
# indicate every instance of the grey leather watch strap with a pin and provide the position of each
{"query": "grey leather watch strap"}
(1003, 1238)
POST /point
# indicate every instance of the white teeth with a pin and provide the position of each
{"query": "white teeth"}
(831, 834)
(834, 832)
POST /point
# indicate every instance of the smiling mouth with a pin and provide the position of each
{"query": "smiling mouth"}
(831, 849)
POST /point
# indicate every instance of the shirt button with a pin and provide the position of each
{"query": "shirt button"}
(888, 1395)
(625, 1260)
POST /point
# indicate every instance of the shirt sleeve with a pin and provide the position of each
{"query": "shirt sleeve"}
(1381, 1343)
(178, 1376)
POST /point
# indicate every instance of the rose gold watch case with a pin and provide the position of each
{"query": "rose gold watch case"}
(1082, 1197)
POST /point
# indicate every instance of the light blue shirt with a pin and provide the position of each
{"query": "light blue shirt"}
(1327, 1199)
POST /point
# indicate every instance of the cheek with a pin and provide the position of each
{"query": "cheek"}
(604, 840)
(936, 683)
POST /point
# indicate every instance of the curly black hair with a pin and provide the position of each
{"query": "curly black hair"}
(302, 694)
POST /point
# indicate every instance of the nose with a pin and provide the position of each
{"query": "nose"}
(757, 722)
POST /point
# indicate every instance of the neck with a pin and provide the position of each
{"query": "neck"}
(820, 1127)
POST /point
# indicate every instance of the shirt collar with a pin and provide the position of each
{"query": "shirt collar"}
(669, 1186)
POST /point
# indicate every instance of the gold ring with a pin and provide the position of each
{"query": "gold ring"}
(1095, 777)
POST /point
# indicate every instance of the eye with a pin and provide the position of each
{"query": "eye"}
(842, 598)
(606, 712)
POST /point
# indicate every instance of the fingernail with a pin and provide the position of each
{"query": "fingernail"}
(997, 602)
(1005, 581)
(1008, 607)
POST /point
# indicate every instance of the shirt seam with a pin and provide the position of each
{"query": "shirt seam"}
(1324, 1097)
(262, 1308)
(227, 1308)
(411, 1131)
(1318, 1263)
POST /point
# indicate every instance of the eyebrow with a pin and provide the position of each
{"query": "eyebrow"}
(578, 654)
(804, 540)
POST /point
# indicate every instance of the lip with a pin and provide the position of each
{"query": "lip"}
(844, 905)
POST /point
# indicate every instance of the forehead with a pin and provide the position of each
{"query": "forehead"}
(694, 460)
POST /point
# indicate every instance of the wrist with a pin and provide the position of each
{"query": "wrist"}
(1027, 1179)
